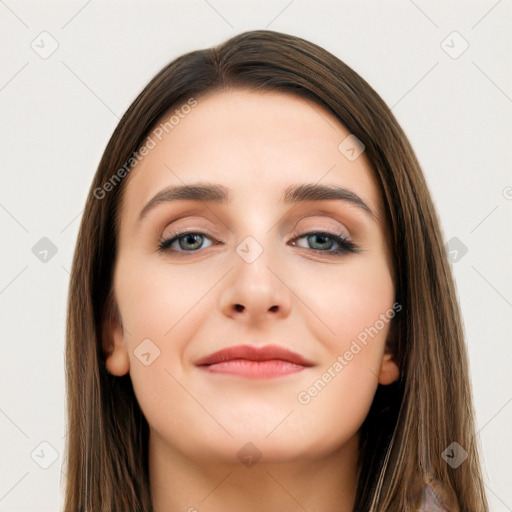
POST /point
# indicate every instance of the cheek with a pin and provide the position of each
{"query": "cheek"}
(356, 303)
(349, 300)
(162, 307)
(155, 299)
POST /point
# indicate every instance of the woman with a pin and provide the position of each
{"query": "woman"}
(261, 313)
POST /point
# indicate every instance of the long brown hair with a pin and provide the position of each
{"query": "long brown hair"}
(411, 422)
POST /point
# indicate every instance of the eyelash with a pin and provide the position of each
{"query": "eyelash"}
(345, 246)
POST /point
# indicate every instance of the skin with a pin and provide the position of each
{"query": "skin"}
(257, 144)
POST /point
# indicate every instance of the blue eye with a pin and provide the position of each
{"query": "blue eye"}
(329, 243)
(321, 242)
(187, 241)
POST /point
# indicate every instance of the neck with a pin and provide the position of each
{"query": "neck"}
(181, 484)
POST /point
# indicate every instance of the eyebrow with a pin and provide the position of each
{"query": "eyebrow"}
(211, 192)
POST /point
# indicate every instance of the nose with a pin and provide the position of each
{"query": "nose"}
(256, 292)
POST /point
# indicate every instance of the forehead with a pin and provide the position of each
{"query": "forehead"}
(256, 143)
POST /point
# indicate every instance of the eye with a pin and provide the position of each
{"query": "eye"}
(321, 242)
(329, 243)
(184, 241)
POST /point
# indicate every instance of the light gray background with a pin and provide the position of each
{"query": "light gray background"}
(58, 113)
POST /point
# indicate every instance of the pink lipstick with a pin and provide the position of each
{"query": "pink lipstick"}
(254, 362)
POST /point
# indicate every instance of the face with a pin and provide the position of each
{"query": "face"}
(256, 261)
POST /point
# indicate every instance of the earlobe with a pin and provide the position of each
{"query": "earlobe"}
(389, 371)
(114, 350)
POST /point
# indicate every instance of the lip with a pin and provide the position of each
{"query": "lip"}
(254, 362)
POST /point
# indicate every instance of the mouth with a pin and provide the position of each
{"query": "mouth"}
(255, 362)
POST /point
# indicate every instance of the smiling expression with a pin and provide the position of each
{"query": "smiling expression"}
(246, 225)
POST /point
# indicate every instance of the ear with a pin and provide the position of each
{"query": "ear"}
(389, 371)
(114, 350)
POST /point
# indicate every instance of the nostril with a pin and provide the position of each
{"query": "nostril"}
(273, 308)
(239, 307)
